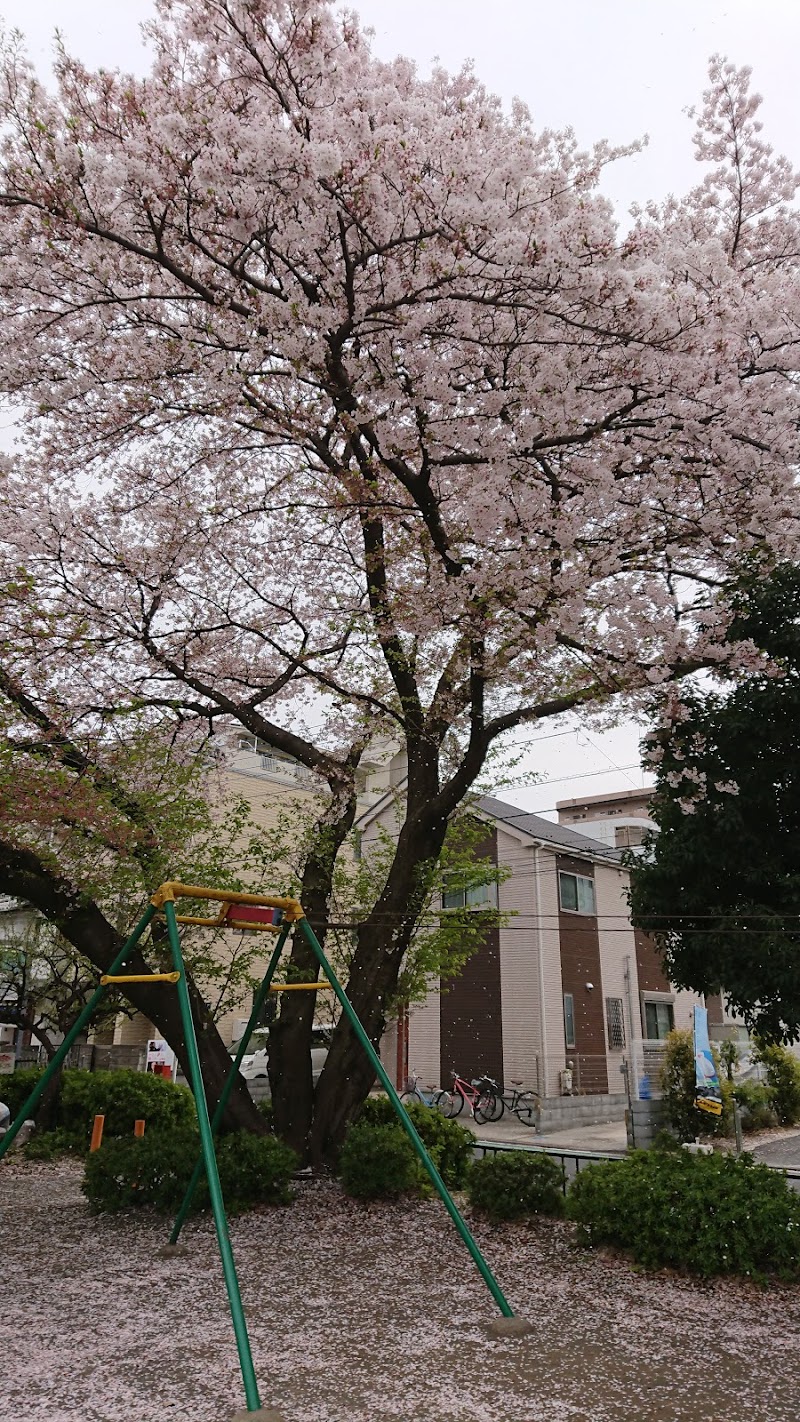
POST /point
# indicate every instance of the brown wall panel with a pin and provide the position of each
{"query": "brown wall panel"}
(580, 964)
(649, 969)
(471, 1021)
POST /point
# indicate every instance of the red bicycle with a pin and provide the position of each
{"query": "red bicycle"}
(481, 1095)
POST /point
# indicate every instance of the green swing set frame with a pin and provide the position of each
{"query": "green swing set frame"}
(292, 917)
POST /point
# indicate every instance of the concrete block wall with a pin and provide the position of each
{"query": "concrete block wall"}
(644, 1120)
(560, 1113)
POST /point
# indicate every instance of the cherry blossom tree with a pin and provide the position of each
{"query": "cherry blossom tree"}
(350, 413)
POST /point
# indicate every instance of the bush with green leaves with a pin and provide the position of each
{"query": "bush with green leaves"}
(783, 1079)
(155, 1170)
(379, 1161)
(678, 1087)
(266, 1109)
(708, 1214)
(449, 1145)
(514, 1184)
(755, 1100)
(17, 1087)
(122, 1096)
(49, 1145)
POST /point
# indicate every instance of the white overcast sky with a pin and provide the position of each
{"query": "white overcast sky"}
(615, 69)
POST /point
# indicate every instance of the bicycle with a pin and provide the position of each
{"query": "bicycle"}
(523, 1104)
(482, 1096)
(416, 1093)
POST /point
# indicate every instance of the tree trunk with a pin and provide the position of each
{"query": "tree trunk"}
(348, 1075)
(47, 1110)
(289, 1063)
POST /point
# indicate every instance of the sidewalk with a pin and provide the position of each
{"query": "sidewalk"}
(601, 1136)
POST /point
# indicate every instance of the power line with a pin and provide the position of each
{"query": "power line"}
(551, 921)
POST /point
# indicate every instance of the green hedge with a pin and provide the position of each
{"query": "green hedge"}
(708, 1214)
(756, 1101)
(379, 1161)
(17, 1087)
(122, 1096)
(515, 1184)
(448, 1144)
(155, 1171)
(783, 1081)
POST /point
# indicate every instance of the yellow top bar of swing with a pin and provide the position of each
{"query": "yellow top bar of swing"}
(172, 890)
(139, 978)
(301, 987)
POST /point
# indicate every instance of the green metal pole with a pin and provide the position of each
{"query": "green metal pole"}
(52, 1067)
(409, 1127)
(212, 1174)
(258, 1003)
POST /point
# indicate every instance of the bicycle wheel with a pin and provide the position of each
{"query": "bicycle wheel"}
(527, 1109)
(488, 1107)
(448, 1104)
(408, 1097)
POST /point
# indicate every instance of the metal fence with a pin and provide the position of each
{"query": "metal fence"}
(573, 1160)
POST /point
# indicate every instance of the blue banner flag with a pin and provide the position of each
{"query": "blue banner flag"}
(707, 1092)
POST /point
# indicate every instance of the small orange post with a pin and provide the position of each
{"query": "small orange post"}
(97, 1132)
(138, 1128)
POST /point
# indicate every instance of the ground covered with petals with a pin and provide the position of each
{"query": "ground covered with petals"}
(366, 1314)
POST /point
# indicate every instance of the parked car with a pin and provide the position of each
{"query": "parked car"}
(254, 1064)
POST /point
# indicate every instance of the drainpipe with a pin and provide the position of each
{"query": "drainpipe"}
(545, 1078)
(633, 1085)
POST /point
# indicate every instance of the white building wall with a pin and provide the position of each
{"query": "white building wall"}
(683, 1007)
(618, 969)
(424, 1041)
(530, 967)
(548, 908)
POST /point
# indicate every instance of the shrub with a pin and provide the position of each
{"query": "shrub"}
(448, 1144)
(678, 1086)
(514, 1184)
(254, 1170)
(266, 1109)
(155, 1170)
(48, 1145)
(17, 1087)
(379, 1160)
(123, 1097)
(709, 1214)
(783, 1079)
(755, 1100)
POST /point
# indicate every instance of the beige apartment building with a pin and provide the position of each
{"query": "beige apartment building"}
(277, 790)
(561, 998)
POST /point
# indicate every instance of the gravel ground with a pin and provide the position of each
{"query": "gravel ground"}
(366, 1314)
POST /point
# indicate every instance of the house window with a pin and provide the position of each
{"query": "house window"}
(659, 1020)
(616, 1024)
(576, 893)
(476, 896)
(569, 1020)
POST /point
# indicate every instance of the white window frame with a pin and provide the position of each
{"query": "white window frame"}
(657, 1000)
(477, 896)
(569, 997)
(580, 879)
